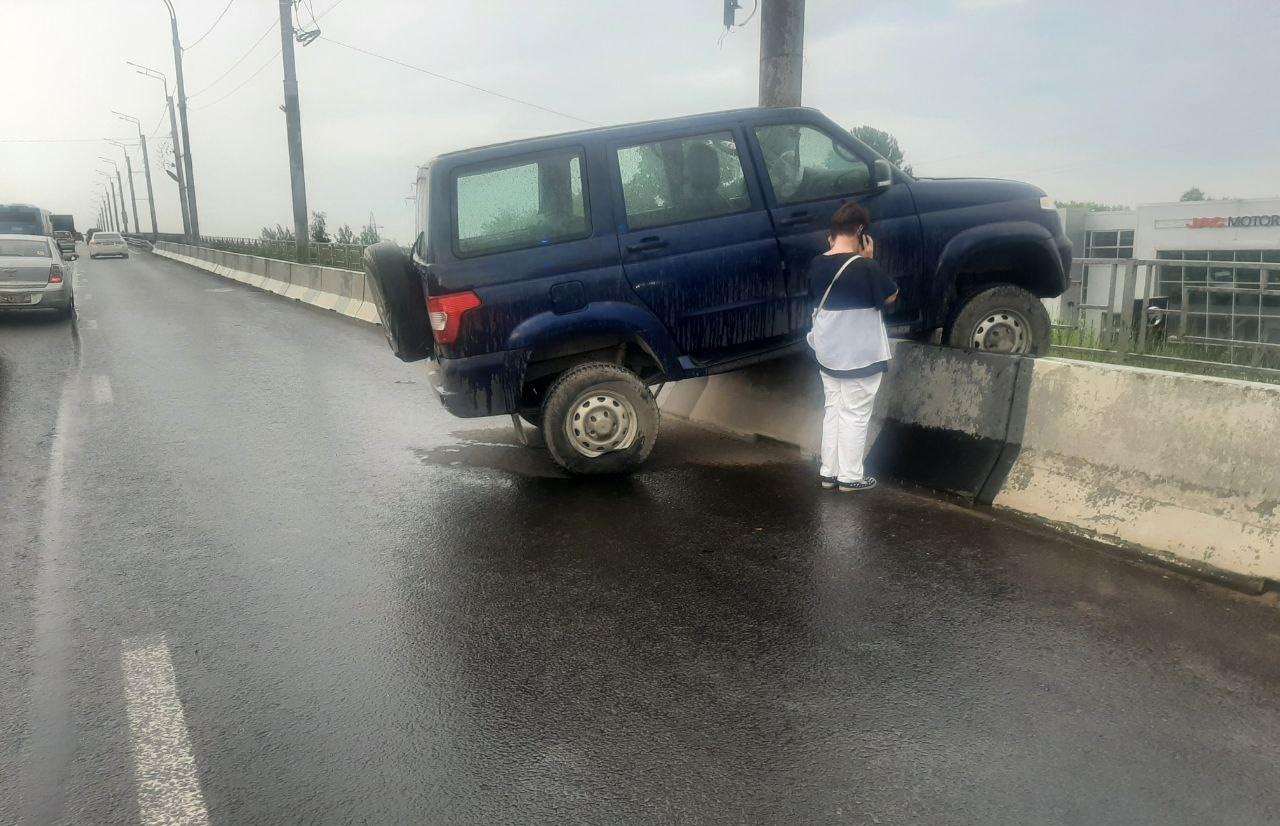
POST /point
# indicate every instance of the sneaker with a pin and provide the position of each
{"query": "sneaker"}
(827, 482)
(866, 483)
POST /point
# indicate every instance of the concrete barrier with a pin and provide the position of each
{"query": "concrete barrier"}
(934, 403)
(1185, 468)
(342, 291)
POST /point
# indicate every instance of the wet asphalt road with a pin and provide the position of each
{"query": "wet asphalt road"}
(376, 613)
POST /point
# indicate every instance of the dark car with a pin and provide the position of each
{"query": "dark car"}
(66, 241)
(559, 278)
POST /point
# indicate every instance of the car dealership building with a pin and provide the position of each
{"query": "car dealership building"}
(1200, 239)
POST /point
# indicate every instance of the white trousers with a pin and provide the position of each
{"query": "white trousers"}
(844, 425)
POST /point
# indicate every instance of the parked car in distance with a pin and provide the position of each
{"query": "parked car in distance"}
(558, 278)
(34, 275)
(104, 244)
(66, 241)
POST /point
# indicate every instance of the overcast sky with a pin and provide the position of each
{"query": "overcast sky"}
(1121, 101)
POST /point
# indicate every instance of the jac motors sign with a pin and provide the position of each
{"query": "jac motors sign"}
(1241, 221)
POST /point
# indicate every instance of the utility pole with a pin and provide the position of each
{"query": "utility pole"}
(133, 197)
(781, 51)
(177, 147)
(124, 216)
(293, 127)
(194, 232)
(146, 167)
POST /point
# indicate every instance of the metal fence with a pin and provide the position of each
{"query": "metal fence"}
(343, 256)
(1219, 317)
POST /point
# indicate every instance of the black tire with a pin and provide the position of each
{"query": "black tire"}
(397, 293)
(999, 318)
(619, 389)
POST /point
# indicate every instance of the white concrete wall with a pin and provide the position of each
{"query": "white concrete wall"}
(1186, 466)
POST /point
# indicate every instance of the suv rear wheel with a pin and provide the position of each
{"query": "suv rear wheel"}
(599, 418)
(1000, 319)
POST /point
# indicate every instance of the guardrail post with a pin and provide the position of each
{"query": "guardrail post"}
(1125, 345)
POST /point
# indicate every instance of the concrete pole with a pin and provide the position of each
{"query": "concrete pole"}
(111, 201)
(186, 132)
(124, 216)
(293, 128)
(151, 195)
(133, 198)
(118, 204)
(781, 51)
(177, 164)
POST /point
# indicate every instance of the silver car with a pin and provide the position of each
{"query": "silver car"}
(108, 243)
(34, 275)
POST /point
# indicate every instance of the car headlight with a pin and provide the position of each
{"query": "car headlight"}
(1047, 203)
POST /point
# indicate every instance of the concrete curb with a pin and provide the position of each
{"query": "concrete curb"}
(342, 291)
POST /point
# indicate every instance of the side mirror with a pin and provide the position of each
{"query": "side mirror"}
(884, 174)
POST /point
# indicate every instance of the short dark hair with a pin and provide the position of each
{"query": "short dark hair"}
(850, 219)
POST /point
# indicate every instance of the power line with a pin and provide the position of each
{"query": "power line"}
(160, 123)
(270, 27)
(241, 59)
(54, 140)
(211, 28)
(439, 76)
(242, 83)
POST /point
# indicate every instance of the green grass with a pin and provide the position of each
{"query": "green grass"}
(1086, 344)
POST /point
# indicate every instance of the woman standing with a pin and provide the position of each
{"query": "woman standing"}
(850, 342)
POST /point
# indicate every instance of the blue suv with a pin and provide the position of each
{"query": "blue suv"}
(558, 278)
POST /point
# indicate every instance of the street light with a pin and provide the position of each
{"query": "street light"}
(124, 216)
(128, 166)
(182, 112)
(111, 214)
(146, 166)
(181, 180)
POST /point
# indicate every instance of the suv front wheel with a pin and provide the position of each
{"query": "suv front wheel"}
(599, 418)
(1000, 319)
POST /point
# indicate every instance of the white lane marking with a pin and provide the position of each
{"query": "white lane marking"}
(90, 324)
(219, 290)
(102, 390)
(164, 767)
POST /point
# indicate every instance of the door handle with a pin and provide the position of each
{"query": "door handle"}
(796, 219)
(648, 244)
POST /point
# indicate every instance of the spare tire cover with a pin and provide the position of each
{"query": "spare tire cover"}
(396, 289)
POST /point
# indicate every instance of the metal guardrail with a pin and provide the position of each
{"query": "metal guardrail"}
(1181, 331)
(342, 256)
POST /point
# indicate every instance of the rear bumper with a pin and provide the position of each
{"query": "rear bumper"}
(38, 297)
(487, 385)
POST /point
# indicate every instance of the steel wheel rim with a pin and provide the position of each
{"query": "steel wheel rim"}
(1002, 331)
(600, 421)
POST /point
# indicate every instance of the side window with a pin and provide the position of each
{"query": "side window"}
(526, 203)
(683, 179)
(805, 164)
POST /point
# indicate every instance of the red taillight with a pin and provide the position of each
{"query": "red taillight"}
(55, 274)
(446, 313)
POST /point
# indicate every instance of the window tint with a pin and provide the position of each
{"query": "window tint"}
(683, 179)
(525, 204)
(805, 164)
(108, 236)
(17, 248)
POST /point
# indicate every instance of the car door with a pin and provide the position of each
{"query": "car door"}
(810, 170)
(697, 244)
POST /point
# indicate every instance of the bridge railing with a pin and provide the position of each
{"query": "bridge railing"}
(343, 256)
(1218, 317)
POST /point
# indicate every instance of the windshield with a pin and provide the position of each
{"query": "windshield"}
(20, 221)
(106, 236)
(21, 248)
